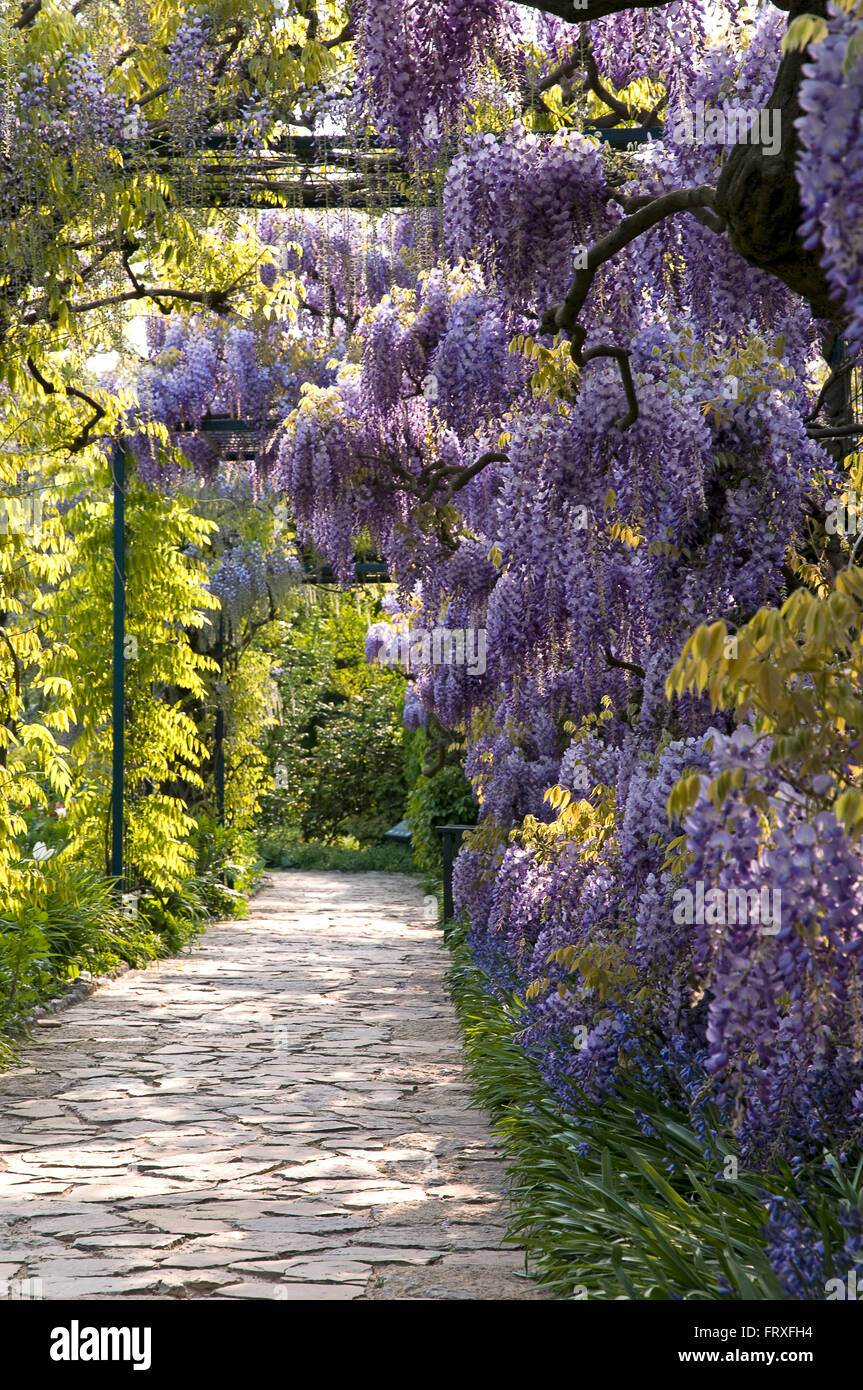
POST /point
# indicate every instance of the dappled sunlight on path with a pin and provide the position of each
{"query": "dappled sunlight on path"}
(281, 1113)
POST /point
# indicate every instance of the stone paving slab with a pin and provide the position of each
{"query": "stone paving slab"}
(279, 1113)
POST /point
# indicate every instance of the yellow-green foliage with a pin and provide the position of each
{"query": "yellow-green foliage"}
(34, 701)
(165, 594)
(251, 707)
(798, 669)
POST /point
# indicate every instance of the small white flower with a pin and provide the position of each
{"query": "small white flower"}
(41, 852)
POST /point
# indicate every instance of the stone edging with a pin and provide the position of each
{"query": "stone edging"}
(81, 988)
(86, 984)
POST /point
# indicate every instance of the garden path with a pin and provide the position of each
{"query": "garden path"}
(280, 1112)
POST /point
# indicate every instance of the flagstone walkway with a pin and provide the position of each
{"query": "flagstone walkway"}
(279, 1113)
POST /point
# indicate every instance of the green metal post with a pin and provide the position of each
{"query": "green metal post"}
(118, 470)
(447, 875)
(451, 836)
(220, 729)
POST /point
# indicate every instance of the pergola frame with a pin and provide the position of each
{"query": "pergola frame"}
(300, 155)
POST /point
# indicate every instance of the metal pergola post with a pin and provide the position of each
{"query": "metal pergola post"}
(219, 760)
(118, 712)
(451, 836)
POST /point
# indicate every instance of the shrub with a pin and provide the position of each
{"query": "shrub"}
(337, 754)
(285, 850)
(227, 867)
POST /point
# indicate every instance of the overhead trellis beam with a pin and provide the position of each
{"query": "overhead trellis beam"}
(270, 194)
(309, 148)
(314, 172)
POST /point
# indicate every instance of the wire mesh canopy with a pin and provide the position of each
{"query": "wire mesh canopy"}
(295, 171)
(235, 438)
(313, 172)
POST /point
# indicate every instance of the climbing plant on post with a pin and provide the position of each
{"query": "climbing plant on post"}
(164, 596)
(118, 663)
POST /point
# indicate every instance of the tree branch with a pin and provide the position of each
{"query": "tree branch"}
(836, 375)
(423, 485)
(616, 662)
(14, 724)
(126, 54)
(152, 93)
(347, 33)
(128, 249)
(593, 83)
(836, 431)
(621, 357)
(229, 47)
(459, 477)
(708, 218)
(28, 14)
(217, 300)
(82, 439)
(557, 75)
(566, 315)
